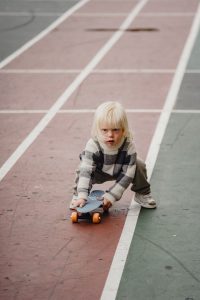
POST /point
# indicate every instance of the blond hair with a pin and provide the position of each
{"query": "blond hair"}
(112, 115)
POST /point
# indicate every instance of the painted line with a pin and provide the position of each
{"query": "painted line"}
(192, 71)
(94, 15)
(43, 33)
(91, 15)
(39, 71)
(23, 111)
(133, 71)
(117, 266)
(95, 71)
(72, 87)
(176, 14)
(101, 15)
(86, 111)
(186, 111)
(71, 111)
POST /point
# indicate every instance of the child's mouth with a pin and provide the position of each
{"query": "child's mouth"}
(110, 142)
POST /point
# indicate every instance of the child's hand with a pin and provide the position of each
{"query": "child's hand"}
(106, 204)
(80, 202)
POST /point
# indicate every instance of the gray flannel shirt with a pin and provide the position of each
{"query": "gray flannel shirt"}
(119, 163)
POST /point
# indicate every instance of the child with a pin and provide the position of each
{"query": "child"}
(110, 155)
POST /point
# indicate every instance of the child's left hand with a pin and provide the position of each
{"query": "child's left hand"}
(106, 204)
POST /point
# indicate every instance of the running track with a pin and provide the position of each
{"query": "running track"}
(129, 51)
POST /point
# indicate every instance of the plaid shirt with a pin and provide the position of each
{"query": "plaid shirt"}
(119, 164)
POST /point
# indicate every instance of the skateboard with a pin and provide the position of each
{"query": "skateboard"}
(92, 210)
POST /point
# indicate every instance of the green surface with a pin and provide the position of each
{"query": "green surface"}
(16, 30)
(189, 96)
(194, 62)
(164, 258)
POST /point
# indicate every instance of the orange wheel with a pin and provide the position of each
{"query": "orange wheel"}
(74, 217)
(96, 218)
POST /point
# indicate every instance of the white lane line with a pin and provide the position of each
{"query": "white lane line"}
(71, 111)
(90, 15)
(43, 33)
(94, 15)
(68, 92)
(119, 259)
(95, 71)
(172, 14)
(86, 111)
(193, 71)
(186, 111)
(23, 111)
(133, 71)
(40, 71)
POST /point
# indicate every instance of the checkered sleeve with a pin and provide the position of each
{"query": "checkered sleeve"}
(86, 168)
(125, 177)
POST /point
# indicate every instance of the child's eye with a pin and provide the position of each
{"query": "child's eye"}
(104, 130)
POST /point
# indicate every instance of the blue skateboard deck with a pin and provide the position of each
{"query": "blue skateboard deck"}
(94, 201)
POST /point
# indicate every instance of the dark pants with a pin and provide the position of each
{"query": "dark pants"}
(140, 183)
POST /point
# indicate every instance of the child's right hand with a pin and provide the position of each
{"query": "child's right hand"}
(80, 202)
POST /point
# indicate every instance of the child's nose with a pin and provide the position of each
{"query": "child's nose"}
(110, 133)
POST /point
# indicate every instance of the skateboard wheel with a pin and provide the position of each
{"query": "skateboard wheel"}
(96, 218)
(74, 217)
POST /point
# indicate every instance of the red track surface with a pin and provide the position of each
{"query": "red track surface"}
(44, 256)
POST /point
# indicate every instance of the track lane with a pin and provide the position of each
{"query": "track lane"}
(35, 208)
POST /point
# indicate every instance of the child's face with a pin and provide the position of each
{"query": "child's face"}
(111, 136)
